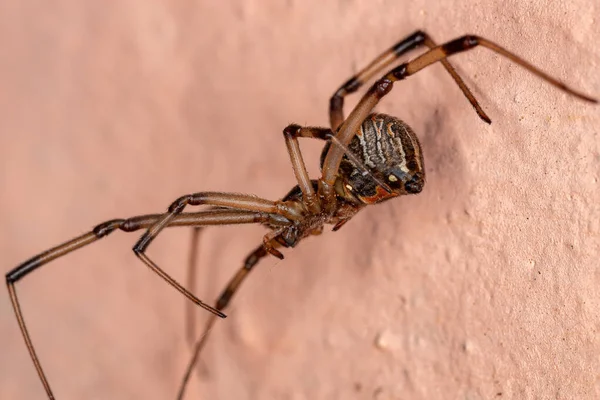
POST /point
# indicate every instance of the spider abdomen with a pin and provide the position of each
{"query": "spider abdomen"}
(390, 149)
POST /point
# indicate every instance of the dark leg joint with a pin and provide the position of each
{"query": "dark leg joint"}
(107, 227)
(420, 36)
(294, 131)
(461, 44)
(224, 299)
(410, 43)
(253, 259)
(22, 270)
(399, 72)
(336, 103)
(291, 130)
(350, 86)
(130, 225)
(142, 244)
(179, 204)
(381, 87)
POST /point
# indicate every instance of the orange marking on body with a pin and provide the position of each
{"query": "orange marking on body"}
(380, 195)
(359, 132)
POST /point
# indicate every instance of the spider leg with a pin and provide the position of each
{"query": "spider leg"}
(383, 86)
(291, 134)
(222, 302)
(277, 212)
(411, 42)
(190, 321)
(270, 245)
(215, 217)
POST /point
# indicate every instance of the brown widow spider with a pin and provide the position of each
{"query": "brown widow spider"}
(368, 158)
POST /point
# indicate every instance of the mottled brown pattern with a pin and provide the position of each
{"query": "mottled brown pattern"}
(388, 147)
(117, 110)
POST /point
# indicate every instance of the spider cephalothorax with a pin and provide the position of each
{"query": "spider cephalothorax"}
(368, 158)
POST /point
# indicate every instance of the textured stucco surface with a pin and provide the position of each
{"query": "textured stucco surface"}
(486, 285)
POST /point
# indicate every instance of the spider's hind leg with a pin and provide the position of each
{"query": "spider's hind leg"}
(214, 217)
(222, 302)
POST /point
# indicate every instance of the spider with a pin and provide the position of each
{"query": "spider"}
(368, 158)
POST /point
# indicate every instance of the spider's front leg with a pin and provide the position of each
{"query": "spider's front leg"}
(228, 200)
(409, 43)
(383, 86)
(291, 134)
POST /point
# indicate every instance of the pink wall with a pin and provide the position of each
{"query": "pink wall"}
(485, 283)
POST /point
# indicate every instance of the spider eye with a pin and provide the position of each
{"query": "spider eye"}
(415, 185)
